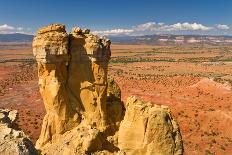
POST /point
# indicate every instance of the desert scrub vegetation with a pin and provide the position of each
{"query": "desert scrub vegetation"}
(17, 60)
(147, 53)
(227, 59)
(126, 59)
(119, 72)
(222, 81)
(208, 152)
(139, 59)
(175, 52)
(201, 59)
(24, 72)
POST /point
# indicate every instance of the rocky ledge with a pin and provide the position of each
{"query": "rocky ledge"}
(12, 141)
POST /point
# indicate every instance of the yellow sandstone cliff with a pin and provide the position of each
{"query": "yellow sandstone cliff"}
(85, 114)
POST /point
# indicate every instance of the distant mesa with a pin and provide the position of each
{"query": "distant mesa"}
(16, 37)
(152, 39)
(173, 40)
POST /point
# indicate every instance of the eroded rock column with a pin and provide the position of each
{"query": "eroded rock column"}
(50, 47)
(72, 73)
(88, 75)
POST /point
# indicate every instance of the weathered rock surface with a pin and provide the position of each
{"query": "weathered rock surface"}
(13, 142)
(8, 116)
(84, 107)
(73, 81)
(50, 48)
(148, 130)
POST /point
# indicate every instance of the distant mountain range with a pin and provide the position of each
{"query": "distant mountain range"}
(16, 37)
(147, 39)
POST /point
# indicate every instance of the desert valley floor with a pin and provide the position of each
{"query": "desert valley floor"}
(194, 81)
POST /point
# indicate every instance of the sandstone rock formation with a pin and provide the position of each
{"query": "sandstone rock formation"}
(148, 130)
(84, 107)
(13, 142)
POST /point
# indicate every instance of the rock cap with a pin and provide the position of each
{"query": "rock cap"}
(52, 27)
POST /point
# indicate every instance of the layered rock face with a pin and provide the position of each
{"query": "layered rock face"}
(51, 49)
(84, 107)
(12, 141)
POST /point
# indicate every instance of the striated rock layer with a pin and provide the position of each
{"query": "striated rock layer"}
(84, 107)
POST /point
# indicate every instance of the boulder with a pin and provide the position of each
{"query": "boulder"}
(8, 116)
(12, 141)
(149, 130)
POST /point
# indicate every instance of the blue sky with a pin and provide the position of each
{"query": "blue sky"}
(120, 17)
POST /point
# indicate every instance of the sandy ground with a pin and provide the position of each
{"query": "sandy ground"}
(194, 81)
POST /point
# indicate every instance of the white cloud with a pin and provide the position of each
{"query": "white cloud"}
(147, 26)
(162, 28)
(188, 26)
(8, 29)
(114, 32)
(152, 26)
(222, 27)
(19, 28)
(160, 24)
